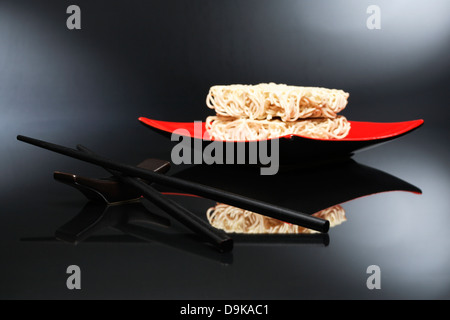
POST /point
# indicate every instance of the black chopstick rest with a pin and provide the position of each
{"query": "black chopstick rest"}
(280, 213)
(213, 235)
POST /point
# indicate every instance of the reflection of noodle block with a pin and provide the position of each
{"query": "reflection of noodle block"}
(270, 100)
(236, 220)
(245, 129)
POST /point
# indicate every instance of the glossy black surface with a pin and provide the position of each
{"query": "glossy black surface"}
(160, 57)
(404, 232)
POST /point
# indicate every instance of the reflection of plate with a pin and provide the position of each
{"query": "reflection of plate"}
(362, 135)
(308, 189)
(316, 190)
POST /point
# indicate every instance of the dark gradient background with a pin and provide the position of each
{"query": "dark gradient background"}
(158, 59)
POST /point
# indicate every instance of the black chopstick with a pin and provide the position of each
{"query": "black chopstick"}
(201, 227)
(267, 209)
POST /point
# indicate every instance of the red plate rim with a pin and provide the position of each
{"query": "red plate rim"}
(359, 131)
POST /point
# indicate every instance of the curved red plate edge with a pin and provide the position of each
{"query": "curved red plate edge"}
(359, 131)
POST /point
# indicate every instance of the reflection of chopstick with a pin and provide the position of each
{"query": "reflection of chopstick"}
(219, 238)
(263, 208)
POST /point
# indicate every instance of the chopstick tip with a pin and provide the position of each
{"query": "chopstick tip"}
(326, 226)
(226, 245)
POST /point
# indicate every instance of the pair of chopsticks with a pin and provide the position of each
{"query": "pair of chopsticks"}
(129, 175)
